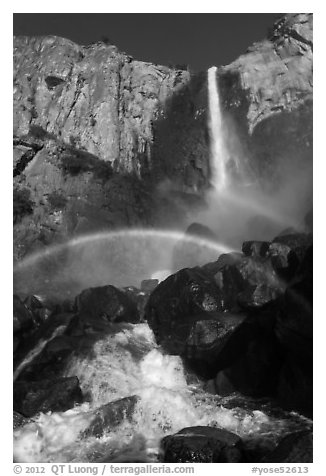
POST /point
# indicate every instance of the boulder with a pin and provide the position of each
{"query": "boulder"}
(19, 420)
(257, 447)
(60, 394)
(294, 323)
(295, 384)
(201, 444)
(216, 342)
(255, 248)
(296, 447)
(177, 302)
(23, 318)
(248, 282)
(284, 260)
(255, 371)
(110, 415)
(226, 259)
(105, 304)
(299, 243)
(202, 231)
(148, 285)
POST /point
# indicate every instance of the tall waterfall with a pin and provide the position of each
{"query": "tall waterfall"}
(219, 155)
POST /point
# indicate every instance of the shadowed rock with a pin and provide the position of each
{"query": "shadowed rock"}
(110, 415)
(107, 304)
(293, 448)
(176, 303)
(201, 444)
(61, 394)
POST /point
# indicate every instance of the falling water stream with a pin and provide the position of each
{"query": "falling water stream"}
(219, 154)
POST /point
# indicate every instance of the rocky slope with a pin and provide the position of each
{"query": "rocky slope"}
(103, 141)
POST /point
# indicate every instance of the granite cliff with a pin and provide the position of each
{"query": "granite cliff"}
(103, 141)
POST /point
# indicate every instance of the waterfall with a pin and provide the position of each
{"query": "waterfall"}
(219, 155)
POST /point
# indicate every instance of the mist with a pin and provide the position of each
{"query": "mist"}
(241, 205)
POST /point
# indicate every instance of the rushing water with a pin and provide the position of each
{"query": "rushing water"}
(129, 362)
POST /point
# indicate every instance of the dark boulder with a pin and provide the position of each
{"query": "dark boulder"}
(257, 447)
(294, 323)
(284, 260)
(297, 242)
(110, 415)
(177, 302)
(201, 444)
(295, 385)
(23, 318)
(148, 285)
(226, 259)
(216, 342)
(19, 420)
(202, 231)
(255, 248)
(40, 310)
(60, 394)
(255, 371)
(40, 355)
(248, 282)
(105, 304)
(294, 448)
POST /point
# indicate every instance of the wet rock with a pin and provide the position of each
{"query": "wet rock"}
(23, 318)
(226, 259)
(19, 420)
(40, 310)
(200, 444)
(295, 384)
(256, 371)
(216, 342)
(61, 394)
(177, 302)
(294, 323)
(40, 363)
(297, 242)
(255, 248)
(148, 285)
(248, 282)
(110, 415)
(294, 448)
(105, 304)
(256, 448)
(284, 260)
(202, 231)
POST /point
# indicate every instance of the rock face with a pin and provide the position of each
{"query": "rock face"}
(268, 94)
(103, 141)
